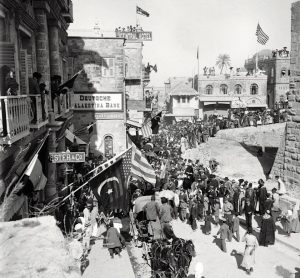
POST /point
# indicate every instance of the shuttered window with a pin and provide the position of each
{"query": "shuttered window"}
(7, 55)
(23, 72)
(108, 67)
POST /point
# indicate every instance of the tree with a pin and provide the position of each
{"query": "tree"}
(223, 60)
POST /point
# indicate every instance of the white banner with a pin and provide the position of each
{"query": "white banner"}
(99, 102)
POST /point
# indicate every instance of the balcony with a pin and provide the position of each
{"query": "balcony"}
(68, 12)
(62, 104)
(14, 118)
(19, 114)
(38, 111)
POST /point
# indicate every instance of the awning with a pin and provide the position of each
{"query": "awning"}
(133, 123)
(257, 105)
(224, 102)
(209, 102)
(70, 136)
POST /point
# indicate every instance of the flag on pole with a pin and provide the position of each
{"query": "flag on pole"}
(155, 123)
(141, 11)
(68, 84)
(146, 128)
(110, 184)
(197, 52)
(262, 37)
(140, 166)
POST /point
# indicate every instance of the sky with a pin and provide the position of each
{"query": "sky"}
(180, 26)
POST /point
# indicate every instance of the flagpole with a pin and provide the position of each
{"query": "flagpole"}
(108, 161)
(198, 68)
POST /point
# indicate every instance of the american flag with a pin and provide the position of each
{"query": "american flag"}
(262, 37)
(126, 164)
(146, 128)
(140, 166)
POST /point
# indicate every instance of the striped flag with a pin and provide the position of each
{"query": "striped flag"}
(262, 37)
(146, 128)
(140, 166)
(141, 11)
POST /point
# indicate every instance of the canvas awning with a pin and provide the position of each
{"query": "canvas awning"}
(209, 102)
(70, 136)
(257, 105)
(225, 102)
(133, 123)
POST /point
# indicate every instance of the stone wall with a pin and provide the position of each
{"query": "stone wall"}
(287, 161)
(266, 135)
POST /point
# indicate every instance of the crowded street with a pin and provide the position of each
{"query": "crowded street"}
(149, 139)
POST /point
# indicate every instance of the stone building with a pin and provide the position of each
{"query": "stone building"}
(218, 93)
(33, 39)
(99, 92)
(183, 103)
(287, 161)
(134, 80)
(276, 65)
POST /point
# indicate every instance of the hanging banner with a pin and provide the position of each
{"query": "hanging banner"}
(99, 102)
(134, 35)
(67, 157)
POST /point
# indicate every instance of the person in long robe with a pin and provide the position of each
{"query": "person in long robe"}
(262, 196)
(295, 225)
(267, 230)
(249, 253)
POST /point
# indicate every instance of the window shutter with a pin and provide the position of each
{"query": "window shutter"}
(111, 66)
(29, 65)
(23, 72)
(7, 55)
(70, 66)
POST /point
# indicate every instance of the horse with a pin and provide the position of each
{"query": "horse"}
(183, 250)
(162, 259)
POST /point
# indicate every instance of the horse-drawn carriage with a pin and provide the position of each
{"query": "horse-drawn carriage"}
(168, 256)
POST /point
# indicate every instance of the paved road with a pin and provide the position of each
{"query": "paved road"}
(271, 262)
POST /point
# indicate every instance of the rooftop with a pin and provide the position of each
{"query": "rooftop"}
(183, 89)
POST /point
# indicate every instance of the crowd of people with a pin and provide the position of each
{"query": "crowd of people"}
(241, 117)
(200, 196)
(186, 191)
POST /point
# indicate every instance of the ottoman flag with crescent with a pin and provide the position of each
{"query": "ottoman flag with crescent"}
(110, 184)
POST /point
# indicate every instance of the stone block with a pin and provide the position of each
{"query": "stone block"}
(295, 156)
(291, 149)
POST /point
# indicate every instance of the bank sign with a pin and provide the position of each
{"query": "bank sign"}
(141, 36)
(67, 157)
(108, 102)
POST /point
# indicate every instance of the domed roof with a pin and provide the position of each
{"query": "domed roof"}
(263, 53)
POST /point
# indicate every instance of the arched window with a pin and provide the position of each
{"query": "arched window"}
(253, 89)
(108, 146)
(209, 90)
(238, 89)
(223, 89)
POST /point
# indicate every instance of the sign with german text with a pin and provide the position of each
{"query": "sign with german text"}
(131, 35)
(67, 157)
(109, 116)
(99, 102)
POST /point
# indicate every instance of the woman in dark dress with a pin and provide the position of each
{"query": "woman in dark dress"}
(267, 231)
